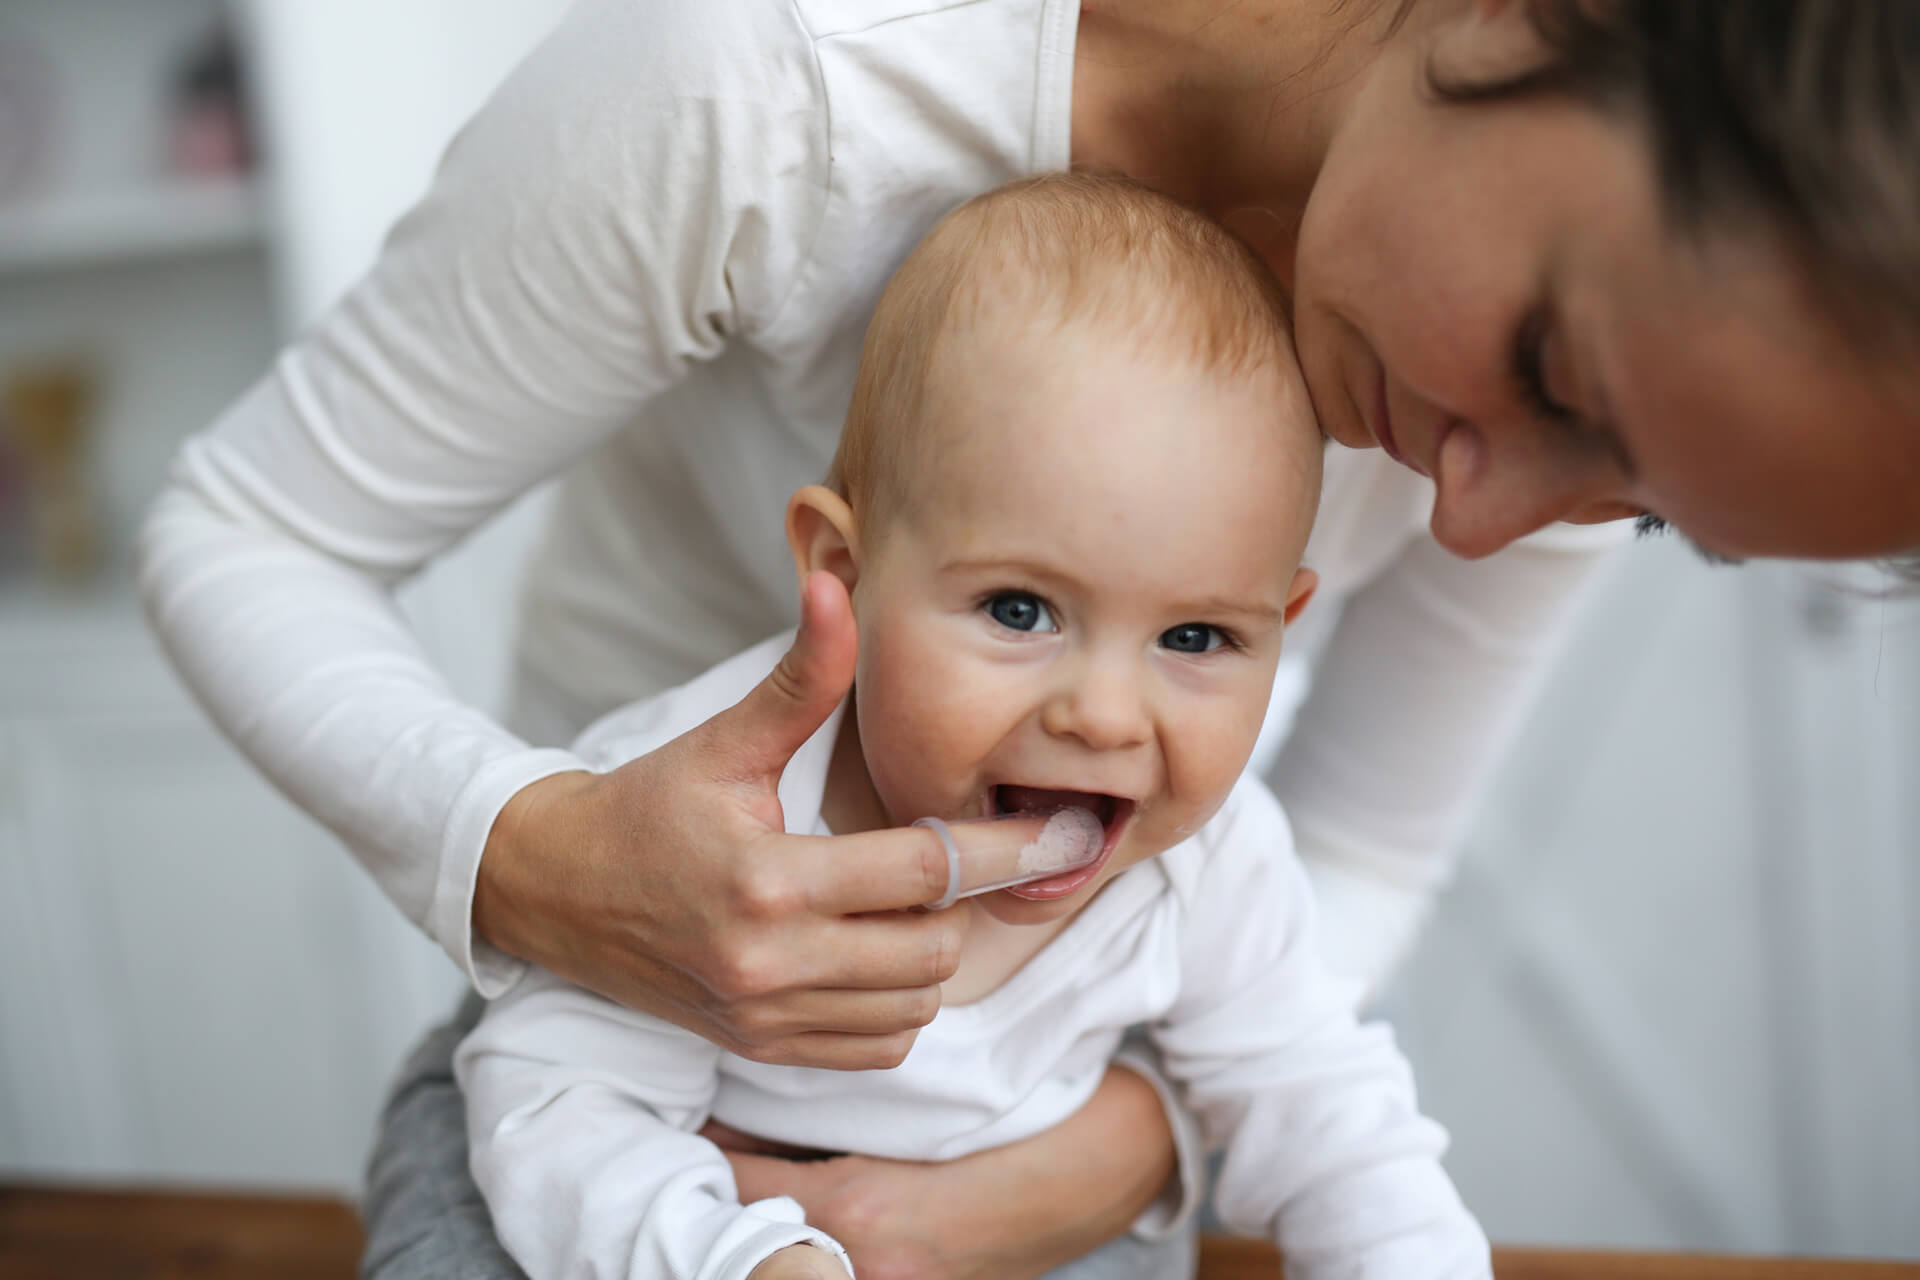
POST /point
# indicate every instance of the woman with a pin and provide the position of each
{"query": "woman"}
(1559, 261)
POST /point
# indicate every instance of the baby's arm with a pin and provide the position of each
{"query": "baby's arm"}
(1326, 1152)
(582, 1117)
(800, 1262)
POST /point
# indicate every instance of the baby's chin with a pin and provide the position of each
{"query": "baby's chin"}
(1009, 907)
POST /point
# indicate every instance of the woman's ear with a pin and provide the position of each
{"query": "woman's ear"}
(1298, 593)
(823, 534)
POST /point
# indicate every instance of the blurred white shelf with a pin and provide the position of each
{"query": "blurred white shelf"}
(108, 228)
(80, 652)
(52, 619)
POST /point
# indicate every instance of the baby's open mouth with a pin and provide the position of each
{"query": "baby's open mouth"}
(1114, 812)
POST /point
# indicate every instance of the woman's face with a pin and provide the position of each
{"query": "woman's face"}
(1490, 292)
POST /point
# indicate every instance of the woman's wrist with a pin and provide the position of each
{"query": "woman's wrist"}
(508, 894)
(1125, 1130)
(1062, 1194)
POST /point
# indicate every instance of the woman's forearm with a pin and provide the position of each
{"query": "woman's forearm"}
(1064, 1193)
(1010, 1213)
(304, 662)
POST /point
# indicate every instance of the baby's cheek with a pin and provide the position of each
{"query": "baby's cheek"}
(1203, 766)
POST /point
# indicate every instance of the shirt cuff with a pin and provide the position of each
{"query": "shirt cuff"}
(759, 1231)
(1186, 1190)
(450, 915)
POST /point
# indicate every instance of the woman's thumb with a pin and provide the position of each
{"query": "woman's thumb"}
(772, 722)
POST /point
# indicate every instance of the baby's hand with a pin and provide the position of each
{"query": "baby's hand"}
(799, 1262)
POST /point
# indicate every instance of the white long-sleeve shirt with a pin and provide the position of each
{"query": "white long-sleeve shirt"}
(583, 1115)
(648, 264)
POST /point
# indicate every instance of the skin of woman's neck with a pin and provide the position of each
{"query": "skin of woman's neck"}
(1229, 105)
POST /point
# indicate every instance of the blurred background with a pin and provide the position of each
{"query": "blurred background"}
(1672, 1000)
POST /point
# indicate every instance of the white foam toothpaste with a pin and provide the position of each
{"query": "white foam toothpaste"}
(1012, 849)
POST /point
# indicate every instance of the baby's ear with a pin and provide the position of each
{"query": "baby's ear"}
(823, 534)
(1298, 593)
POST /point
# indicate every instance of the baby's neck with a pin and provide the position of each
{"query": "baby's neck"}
(993, 951)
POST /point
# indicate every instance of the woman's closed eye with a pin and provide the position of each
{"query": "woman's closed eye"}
(1529, 369)
(1195, 637)
(1020, 611)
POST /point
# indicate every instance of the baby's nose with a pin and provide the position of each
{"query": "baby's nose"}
(1101, 705)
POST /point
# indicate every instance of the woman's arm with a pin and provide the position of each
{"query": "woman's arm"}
(1010, 1213)
(589, 236)
(627, 205)
(1419, 689)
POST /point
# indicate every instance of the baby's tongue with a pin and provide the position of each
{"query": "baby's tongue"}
(1040, 800)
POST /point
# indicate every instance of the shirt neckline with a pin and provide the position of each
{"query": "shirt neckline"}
(1053, 86)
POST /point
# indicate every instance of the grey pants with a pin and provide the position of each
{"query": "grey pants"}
(426, 1221)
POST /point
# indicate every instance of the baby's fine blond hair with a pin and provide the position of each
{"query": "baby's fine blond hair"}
(1046, 253)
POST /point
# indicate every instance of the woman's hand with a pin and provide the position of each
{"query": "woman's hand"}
(1012, 1213)
(799, 1262)
(670, 884)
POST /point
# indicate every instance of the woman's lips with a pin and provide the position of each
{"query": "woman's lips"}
(1382, 423)
(1382, 427)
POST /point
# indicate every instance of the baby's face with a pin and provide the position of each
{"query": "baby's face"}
(1081, 600)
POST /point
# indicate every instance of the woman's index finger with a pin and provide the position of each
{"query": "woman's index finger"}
(892, 869)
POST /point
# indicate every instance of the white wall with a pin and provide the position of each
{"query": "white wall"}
(1671, 1000)
(359, 99)
(195, 982)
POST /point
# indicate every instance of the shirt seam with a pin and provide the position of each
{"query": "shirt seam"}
(924, 11)
(810, 255)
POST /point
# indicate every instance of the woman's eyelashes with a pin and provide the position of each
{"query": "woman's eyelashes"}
(1648, 525)
(1020, 611)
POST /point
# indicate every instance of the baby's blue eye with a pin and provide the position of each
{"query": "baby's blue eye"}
(1019, 611)
(1193, 637)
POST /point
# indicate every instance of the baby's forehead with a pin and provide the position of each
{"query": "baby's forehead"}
(1021, 329)
(1078, 415)
(1009, 366)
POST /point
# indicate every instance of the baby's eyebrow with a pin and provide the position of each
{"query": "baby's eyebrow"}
(994, 564)
(1215, 606)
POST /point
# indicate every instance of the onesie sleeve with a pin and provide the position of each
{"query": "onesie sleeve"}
(583, 1119)
(1418, 690)
(1325, 1150)
(642, 192)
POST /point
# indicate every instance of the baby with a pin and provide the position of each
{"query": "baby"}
(1070, 503)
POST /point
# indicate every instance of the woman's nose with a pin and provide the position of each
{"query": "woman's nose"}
(1494, 487)
(1100, 704)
